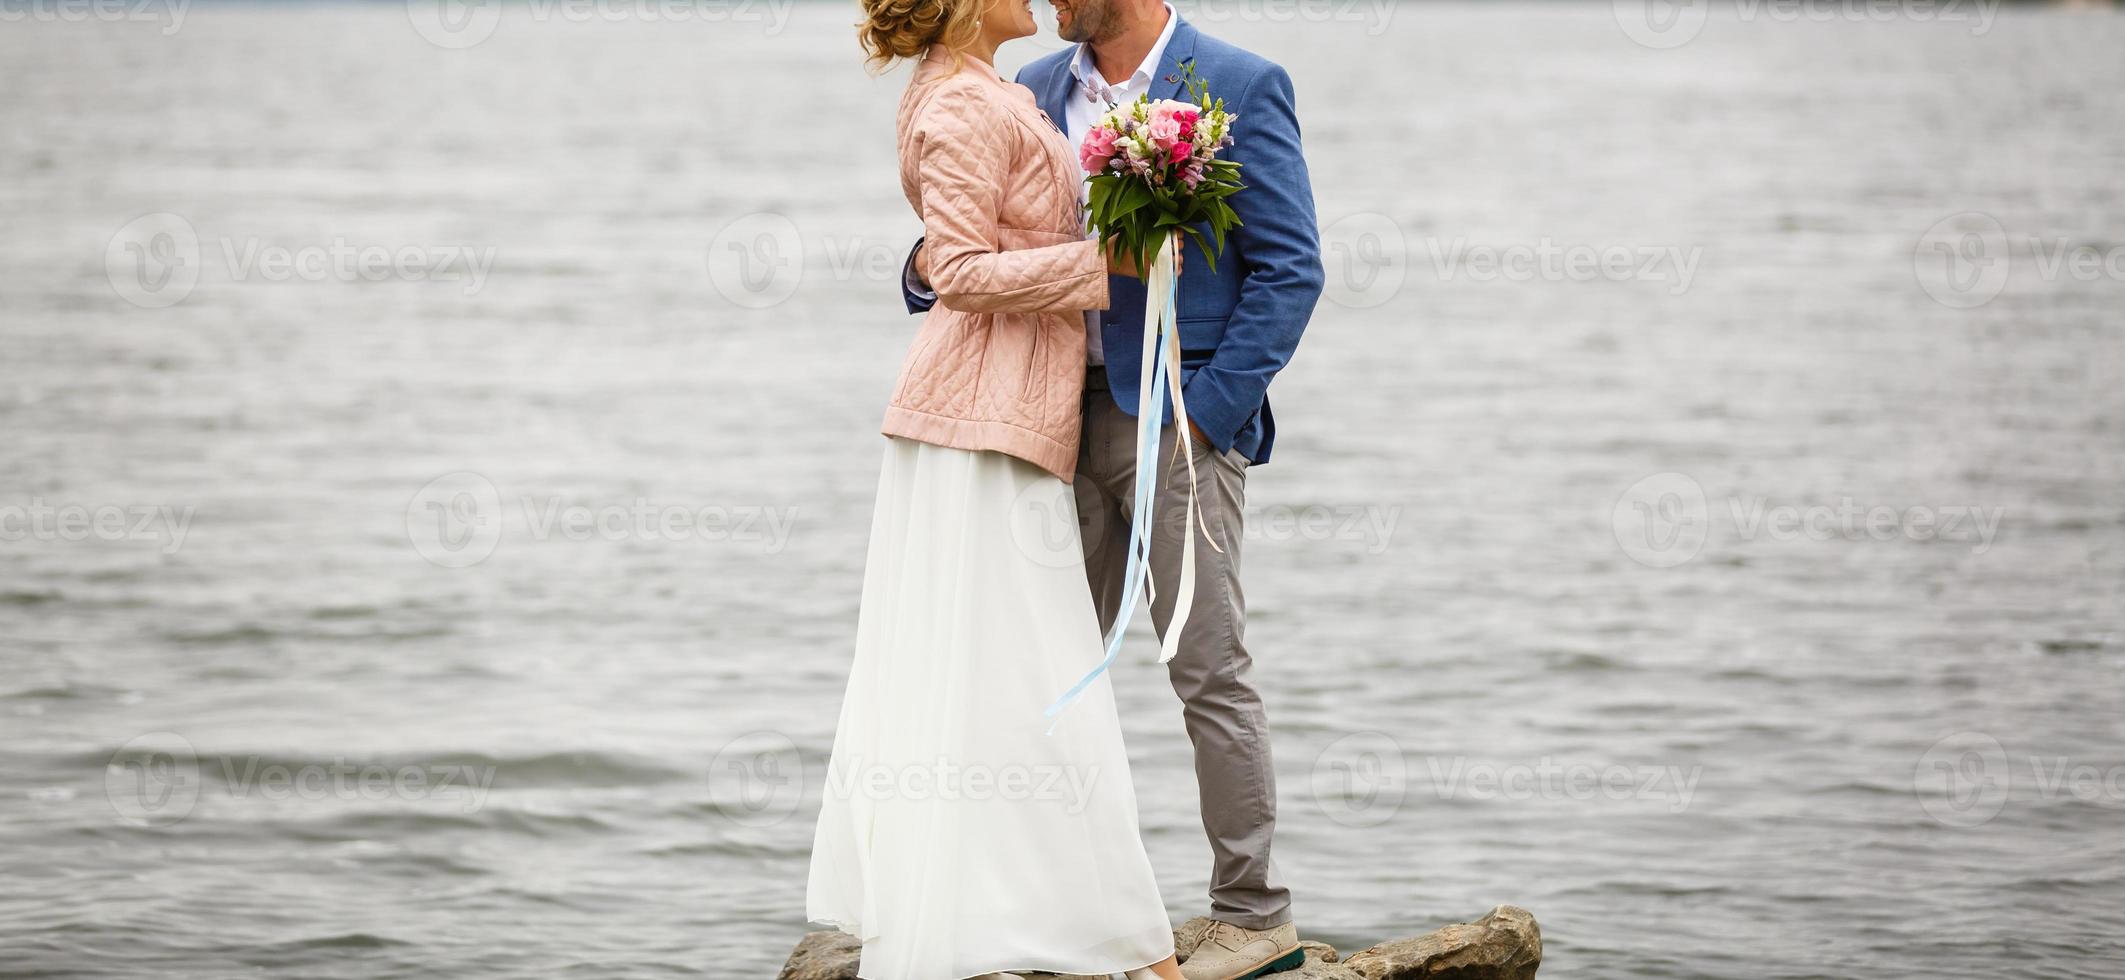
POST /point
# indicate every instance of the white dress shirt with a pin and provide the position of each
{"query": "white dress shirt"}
(1088, 100)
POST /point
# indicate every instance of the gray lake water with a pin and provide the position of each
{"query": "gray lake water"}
(1751, 606)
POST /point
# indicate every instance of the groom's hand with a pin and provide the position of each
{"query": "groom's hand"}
(922, 263)
(1196, 431)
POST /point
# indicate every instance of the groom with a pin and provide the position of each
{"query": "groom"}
(1238, 325)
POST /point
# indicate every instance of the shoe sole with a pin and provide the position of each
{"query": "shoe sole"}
(1276, 964)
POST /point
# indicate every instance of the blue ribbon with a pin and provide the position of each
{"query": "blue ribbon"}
(1150, 412)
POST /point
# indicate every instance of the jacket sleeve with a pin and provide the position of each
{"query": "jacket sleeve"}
(963, 163)
(1279, 247)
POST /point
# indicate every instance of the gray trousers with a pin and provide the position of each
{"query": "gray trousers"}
(1211, 672)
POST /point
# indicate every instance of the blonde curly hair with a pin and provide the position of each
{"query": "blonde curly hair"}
(894, 29)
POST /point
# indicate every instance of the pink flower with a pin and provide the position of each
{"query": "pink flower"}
(1097, 150)
(1187, 118)
(1164, 130)
(1180, 152)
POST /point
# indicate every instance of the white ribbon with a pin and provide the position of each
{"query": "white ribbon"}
(1162, 343)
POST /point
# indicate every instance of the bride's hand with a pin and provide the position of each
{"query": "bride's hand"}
(1121, 263)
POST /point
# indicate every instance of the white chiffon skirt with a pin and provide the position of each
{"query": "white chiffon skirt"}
(957, 837)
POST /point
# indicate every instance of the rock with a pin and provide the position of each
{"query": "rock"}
(1320, 965)
(1504, 945)
(829, 954)
(1326, 952)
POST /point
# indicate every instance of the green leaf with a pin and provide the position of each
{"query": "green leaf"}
(1131, 198)
(1210, 254)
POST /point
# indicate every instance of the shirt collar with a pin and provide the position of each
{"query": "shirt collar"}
(1089, 78)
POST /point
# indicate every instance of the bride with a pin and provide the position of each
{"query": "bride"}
(959, 836)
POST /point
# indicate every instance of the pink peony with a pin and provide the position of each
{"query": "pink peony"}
(1164, 131)
(1097, 150)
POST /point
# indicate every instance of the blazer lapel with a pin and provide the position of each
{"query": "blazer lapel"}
(1179, 51)
(1053, 96)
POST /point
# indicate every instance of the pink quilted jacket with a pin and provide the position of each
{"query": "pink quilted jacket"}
(999, 362)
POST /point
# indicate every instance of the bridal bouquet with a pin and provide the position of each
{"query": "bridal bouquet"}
(1153, 169)
(1154, 172)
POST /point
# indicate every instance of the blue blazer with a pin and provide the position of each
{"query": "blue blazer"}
(1240, 324)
